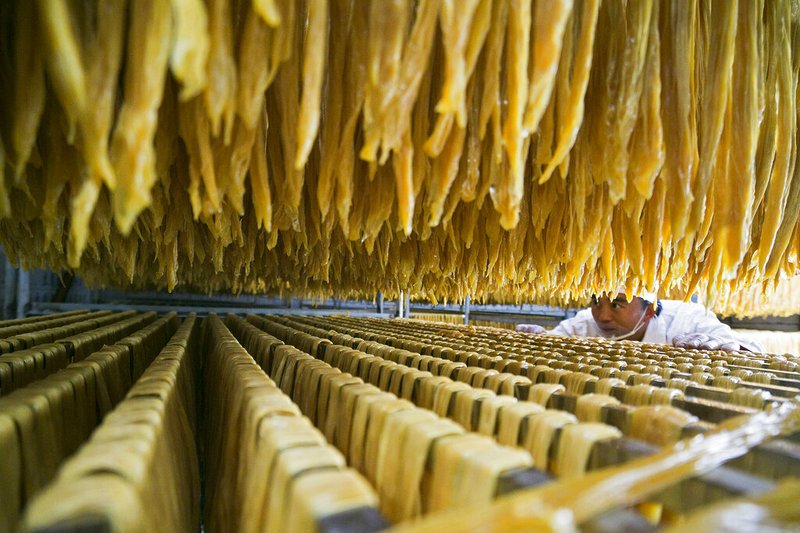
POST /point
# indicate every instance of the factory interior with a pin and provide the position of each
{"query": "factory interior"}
(347, 266)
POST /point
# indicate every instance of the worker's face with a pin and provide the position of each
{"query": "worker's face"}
(618, 316)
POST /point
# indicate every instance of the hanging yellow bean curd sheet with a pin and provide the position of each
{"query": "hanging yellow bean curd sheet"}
(342, 147)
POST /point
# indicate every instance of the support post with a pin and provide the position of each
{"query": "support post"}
(466, 310)
(23, 292)
(9, 290)
(379, 299)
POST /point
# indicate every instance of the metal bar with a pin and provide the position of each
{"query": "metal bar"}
(379, 298)
(715, 412)
(23, 292)
(708, 411)
(780, 374)
(415, 309)
(466, 310)
(773, 323)
(366, 519)
(722, 481)
(780, 455)
(775, 459)
(781, 391)
(520, 478)
(618, 520)
(545, 320)
(37, 308)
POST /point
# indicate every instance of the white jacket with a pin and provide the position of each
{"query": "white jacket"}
(676, 318)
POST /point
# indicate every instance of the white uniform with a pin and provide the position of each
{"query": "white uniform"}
(676, 318)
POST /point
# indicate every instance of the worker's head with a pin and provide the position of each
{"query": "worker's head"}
(619, 317)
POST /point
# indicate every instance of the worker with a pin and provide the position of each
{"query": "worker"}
(682, 324)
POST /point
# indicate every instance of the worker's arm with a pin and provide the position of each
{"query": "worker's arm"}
(564, 329)
(570, 327)
(533, 329)
(577, 326)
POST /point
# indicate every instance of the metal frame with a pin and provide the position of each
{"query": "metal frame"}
(47, 307)
(772, 323)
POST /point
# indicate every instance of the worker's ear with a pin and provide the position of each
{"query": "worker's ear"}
(650, 311)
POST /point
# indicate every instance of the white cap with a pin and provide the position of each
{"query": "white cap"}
(645, 295)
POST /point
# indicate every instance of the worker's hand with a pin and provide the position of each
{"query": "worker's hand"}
(533, 329)
(702, 341)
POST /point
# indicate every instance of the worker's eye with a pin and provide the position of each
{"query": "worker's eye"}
(617, 305)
